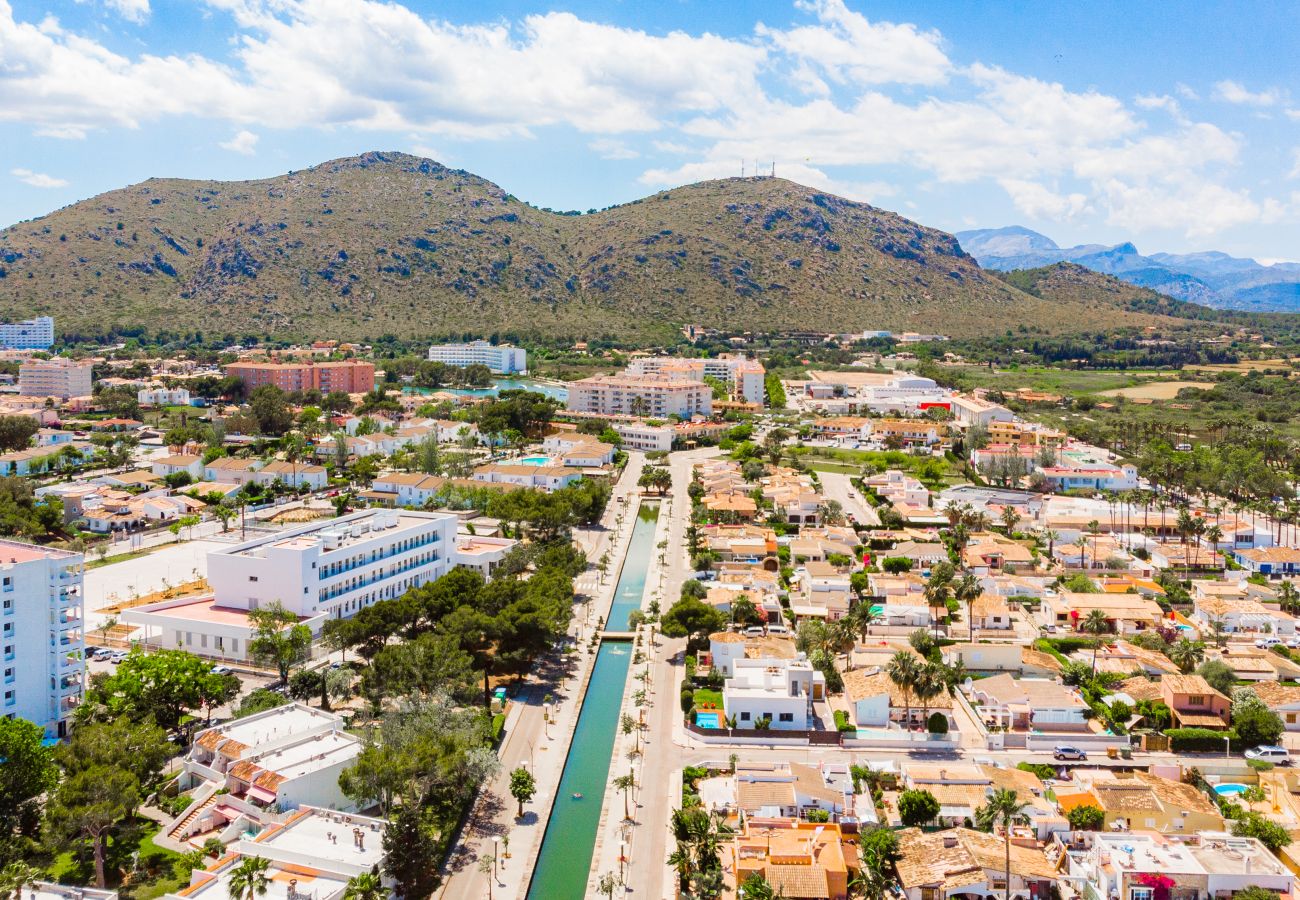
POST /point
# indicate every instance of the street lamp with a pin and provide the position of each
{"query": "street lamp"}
(496, 853)
(622, 858)
(1227, 745)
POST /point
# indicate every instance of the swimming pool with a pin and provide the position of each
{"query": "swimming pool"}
(707, 720)
(534, 460)
(1230, 789)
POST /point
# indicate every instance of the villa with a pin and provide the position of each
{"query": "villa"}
(780, 691)
(960, 862)
(1022, 704)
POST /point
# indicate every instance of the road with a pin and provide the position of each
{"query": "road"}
(836, 486)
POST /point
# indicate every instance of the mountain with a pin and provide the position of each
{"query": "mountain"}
(387, 243)
(1210, 278)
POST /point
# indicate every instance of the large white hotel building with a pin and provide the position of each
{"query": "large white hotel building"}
(43, 645)
(320, 571)
(502, 359)
(30, 334)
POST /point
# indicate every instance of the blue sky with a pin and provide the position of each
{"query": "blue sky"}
(1173, 126)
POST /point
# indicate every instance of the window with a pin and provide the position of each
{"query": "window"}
(744, 717)
(252, 577)
(1195, 700)
(787, 717)
(1141, 893)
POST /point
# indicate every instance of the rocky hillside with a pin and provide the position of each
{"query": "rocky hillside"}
(390, 243)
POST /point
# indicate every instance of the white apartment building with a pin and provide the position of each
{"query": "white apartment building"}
(311, 854)
(324, 570)
(781, 690)
(974, 411)
(272, 761)
(1206, 864)
(642, 436)
(157, 395)
(502, 359)
(641, 395)
(58, 377)
(30, 334)
(41, 611)
(743, 375)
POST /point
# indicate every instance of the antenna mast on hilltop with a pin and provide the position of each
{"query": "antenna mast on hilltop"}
(742, 168)
(773, 168)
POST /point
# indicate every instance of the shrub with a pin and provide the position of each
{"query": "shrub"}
(1042, 770)
(1273, 835)
(1085, 818)
(917, 807)
(1202, 739)
(817, 815)
(687, 699)
(937, 723)
(896, 565)
(842, 722)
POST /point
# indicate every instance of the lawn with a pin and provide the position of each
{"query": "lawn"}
(122, 557)
(157, 862)
(1057, 381)
(708, 696)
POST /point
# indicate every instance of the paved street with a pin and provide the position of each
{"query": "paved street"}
(836, 486)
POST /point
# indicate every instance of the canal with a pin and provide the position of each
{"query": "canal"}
(565, 858)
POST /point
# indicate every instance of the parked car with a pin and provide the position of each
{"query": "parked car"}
(220, 670)
(754, 631)
(117, 656)
(777, 629)
(1278, 756)
(1267, 641)
(100, 653)
(1293, 643)
(1065, 751)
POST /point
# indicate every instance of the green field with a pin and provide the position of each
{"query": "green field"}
(1057, 381)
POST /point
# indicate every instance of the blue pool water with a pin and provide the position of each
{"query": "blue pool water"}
(534, 460)
(1229, 789)
(707, 720)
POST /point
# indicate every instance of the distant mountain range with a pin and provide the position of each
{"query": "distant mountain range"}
(386, 243)
(1210, 278)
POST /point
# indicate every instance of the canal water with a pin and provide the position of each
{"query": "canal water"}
(565, 858)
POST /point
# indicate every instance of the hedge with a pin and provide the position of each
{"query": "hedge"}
(842, 722)
(1194, 739)
(1068, 645)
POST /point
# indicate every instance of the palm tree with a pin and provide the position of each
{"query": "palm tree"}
(1009, 519)
(967, 591)
(1082, 543)
(904, 669)
(756, 887)
(1288, 597)
(625, 783)
(937, 593)
(930, 683)
(1003, 808)
(249, 879)
(1095, 624)
(1094, 528)
(366, 886)
(1187, 654)
(1051, 536)
(1214, 534)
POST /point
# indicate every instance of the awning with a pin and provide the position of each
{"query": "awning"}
(261, 793)
(230, 812)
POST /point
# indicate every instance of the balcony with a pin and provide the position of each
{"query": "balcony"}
(340, 589)
(336, 569)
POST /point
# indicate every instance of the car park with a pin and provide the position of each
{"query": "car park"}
(1067, 752)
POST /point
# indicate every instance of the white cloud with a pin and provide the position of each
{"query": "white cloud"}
(828, 97)
(849, 48)
(610, 148)
(1158, 101)
(37, 179)
(1236, 92)
(1295, 164)
(132, 10)
(1040, 202)
(244, 142)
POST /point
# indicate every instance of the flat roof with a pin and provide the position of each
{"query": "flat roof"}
(309, 832)
(313, 533)
(281, 722)
(301, 759)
